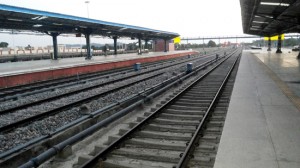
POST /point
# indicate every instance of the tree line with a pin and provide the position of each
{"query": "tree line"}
(286, 42)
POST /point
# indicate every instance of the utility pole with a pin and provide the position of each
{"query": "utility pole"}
(87, 8)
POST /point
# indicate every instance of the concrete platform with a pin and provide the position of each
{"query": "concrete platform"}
(262, 128)
(17, 73)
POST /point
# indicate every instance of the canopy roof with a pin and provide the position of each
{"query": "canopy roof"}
(270, 17)
(18, 18)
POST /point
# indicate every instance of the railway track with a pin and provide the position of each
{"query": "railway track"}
(9, 125)
(181, 132)
(17, 92)
(86, 116)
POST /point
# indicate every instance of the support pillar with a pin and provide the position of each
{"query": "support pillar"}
(269, 44)
(140, 46)
(55, 49)
(279, 44)
(146, 44)
(165, 45)
(115, 45)
(88, 46)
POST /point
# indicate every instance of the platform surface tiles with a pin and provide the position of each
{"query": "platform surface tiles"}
(262, 128)
(42, 65)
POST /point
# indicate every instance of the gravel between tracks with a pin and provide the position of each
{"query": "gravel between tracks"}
(51, 123)
(47, 125)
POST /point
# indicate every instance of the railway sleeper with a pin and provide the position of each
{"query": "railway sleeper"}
(173, 122)
(155, 144)
(192, 100)
(203, 90)
(215, 123)
(219, 113)
(214, 130)
(156, 155)
(200, 94)
(164, 135)
(197, 162)
(202, 98)
(224, 109)
(210, 138)
(209, 82)
(200, 153)
(177, 107)
(133, 163)
(217, 118)
(173, 125)
(222, 104)
(206, 84)
(180, 116)
(159, 135)
(170, 128)
(187, 112)
(185, 103)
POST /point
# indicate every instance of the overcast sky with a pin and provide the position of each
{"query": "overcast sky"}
(189, 18)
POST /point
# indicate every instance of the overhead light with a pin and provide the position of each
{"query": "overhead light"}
(256, 26)
(259, 22)
(264, 16)
(39, 18)
(108, 32)
(17, 20)
(124, 28)
(253, 28)
(37, 25)
(35, 18)
(274, 4)
(57, 24)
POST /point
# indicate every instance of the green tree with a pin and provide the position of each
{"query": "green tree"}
(211, 44)
(290, 42)
(3, 44)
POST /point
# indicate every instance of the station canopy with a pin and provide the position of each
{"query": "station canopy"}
(18, 18)
(270, 17)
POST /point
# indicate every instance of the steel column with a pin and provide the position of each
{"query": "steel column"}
(115, 45)
(279, 44)
(88, 45)
(146, 44)
(140, 46)
(55, 50)
(269, 44)
(165, 45)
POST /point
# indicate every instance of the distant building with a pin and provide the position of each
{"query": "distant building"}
(159, 45)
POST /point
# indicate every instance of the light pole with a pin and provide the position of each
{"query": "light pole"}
(87, 8)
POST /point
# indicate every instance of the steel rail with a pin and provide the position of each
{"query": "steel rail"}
(28, 87)
(70, 141)
(68, 106)
(187, 153)
(9, 110)
(101, 155)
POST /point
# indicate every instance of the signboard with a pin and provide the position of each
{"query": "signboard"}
(273, 38)
(177, 40)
